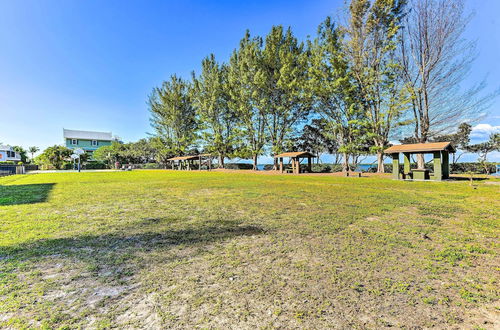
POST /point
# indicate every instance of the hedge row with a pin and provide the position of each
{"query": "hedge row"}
(238, 166)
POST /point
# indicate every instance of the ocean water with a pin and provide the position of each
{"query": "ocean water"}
(365, 167)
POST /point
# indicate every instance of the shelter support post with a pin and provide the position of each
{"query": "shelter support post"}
(395, 166)
(438, 174)
(406, 162)
(309, 164)
(281, 164)
(446, 164)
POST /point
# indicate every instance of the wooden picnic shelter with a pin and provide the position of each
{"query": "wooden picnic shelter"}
(189, 162)
(295, 159)
(440, 151)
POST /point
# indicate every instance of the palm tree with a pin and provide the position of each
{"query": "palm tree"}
(32, 150)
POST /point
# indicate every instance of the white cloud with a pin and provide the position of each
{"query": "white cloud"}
(483, 131)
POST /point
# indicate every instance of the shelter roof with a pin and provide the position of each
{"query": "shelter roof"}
(192, 157)
(421, 147)
(299, 154)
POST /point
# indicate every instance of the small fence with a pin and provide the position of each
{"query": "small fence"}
(7, 169)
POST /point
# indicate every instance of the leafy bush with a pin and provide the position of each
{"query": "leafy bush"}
(8, 162)
(95, 165)
(149, 166)
(478, 168)
(31, 167)
(67, 166)
(152, 166)
(458, 168)
(322, 168)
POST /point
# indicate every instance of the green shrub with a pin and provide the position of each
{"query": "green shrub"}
(322, 168)
(95, 165)
(461, 168)
(152, 166)
(458, 168)
(66, 166)
(238, 166)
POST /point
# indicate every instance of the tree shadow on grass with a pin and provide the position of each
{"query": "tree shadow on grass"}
(120, 242)
(99, 270)
(466, 178)
(25, 194)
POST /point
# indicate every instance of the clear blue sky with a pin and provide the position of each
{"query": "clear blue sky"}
(91, 64)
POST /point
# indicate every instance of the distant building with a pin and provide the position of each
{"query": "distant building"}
(87, 140)
(7, 154)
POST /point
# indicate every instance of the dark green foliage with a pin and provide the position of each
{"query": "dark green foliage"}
(140, 152)
(54, 156)
(32, 150)
(218, 122)
(173, 115)
(348, 86)
(464, 168)
(281, 81)
(372, 36)
(315, 138)
(483, 149)
(95, 165)
(332, 85)
(326, 168)
(238, 166)
(243, 95)
(22, 153)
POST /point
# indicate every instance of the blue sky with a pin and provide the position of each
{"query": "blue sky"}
(91, 64)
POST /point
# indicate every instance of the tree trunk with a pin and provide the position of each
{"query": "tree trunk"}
(221, 161)
(276, 165)
(380, 162)
(420, 161)
(255, 162)
(423, 139)
(345, 163)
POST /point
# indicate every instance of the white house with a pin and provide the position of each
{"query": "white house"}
(7, 154)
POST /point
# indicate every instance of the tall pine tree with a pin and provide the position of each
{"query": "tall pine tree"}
(335, 92)
(243, 96)
(280, 82)
(173, 116)
(219, 123)
(372, 34)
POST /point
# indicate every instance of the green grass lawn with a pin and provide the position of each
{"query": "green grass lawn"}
(218, 250)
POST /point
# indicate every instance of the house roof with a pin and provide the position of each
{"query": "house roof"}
(295, 154)
(87, 135)
(421, 147)
(5, 147)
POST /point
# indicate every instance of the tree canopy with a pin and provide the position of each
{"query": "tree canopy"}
(387, 70)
